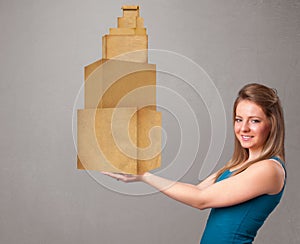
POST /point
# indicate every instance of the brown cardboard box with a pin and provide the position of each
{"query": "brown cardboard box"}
(119, 140)
(116, 45)
(108, 81)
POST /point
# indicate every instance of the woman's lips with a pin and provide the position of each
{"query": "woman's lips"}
(246, 137)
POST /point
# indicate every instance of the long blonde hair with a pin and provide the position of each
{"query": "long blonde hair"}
(268, 100)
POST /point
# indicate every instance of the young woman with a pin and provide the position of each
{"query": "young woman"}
(246, 190)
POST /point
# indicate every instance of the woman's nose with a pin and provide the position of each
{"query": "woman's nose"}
(245, 126)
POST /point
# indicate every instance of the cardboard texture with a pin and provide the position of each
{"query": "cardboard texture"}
(116, 45)
(111, 80)
(118, 140)
(119, 129)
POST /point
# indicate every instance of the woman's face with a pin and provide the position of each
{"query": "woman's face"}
(251, 126)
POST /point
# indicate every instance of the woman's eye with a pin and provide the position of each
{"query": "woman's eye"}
(238, 120)
(254, 121)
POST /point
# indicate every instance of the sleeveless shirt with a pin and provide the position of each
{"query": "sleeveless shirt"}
(239, 223)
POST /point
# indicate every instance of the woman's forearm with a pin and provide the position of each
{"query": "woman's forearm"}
(186, 193)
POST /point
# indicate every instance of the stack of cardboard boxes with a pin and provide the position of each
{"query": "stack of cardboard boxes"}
(119, 129)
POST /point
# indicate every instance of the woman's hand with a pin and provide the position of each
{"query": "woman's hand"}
(124, 177)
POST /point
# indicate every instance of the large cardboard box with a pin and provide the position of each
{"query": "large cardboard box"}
(112, 83)
(123, 140)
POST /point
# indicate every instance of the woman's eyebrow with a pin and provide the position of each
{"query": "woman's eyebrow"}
(250, 117)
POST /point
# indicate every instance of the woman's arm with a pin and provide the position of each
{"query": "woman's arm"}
(207, 182)
(182, 192)
(263, 177)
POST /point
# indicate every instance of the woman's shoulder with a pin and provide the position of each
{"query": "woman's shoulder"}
(273, 171)
(272, 165)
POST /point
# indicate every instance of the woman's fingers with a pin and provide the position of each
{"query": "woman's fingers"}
(122, 177)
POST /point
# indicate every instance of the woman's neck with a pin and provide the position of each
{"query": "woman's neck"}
(253, 154)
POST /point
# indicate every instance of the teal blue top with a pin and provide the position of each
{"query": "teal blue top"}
(239, 223)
